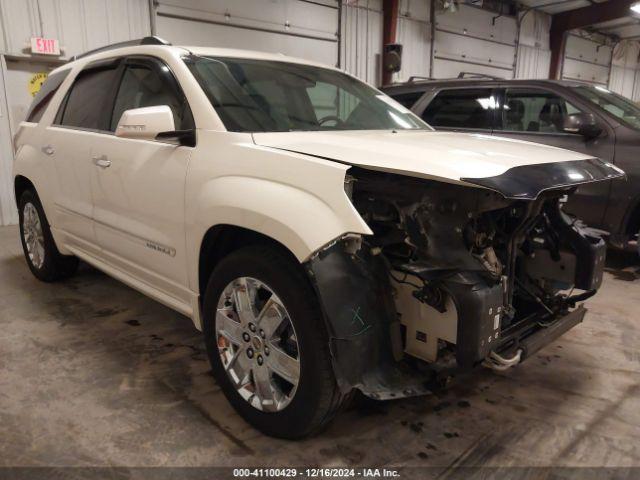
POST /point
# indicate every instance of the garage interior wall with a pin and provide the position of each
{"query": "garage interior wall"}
(79, 25)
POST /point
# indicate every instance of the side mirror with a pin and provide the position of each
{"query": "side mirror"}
(582, 124)
(145, 123)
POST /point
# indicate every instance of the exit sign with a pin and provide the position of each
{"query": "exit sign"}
(45, 46)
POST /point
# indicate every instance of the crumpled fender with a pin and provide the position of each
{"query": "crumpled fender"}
(361, 319)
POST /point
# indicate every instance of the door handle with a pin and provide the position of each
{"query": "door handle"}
(102, 161)
(48, 150)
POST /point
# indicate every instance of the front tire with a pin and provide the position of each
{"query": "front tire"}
(267, 343)
(44, 260)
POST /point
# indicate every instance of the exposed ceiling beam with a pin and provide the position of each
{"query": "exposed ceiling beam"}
(583, 17)
(618, 25)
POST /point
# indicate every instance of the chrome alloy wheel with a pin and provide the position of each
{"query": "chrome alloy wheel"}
(32, 234)
(257, 344)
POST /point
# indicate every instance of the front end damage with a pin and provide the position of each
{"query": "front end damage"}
(455, 276)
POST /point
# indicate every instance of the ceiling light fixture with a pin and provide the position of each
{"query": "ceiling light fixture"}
(635, 7)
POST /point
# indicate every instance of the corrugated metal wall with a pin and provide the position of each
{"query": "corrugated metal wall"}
(587, 59)
(292, 27)
(624, 70)
(414, 33)
(534, 55)
(361, 39)
(474, 40)
(80, 25)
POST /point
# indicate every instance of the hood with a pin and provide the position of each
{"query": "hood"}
(500, 164)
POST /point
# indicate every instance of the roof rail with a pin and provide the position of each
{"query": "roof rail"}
(129, 43)
(413, 78)
(478, 75)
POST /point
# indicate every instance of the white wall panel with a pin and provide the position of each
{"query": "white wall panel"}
(284, 16)
(534, 56)
(414, 33)
(624, 69)
(188, 32)
(361, 42)
(474, 40)
(291, 27)
(586, 60)
(80, 25)
(532, 62)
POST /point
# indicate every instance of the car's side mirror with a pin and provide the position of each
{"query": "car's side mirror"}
(584, 124)
(145, 123)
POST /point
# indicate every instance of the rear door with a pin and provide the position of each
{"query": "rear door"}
(77, 126)
(537, 115)
(462, 110)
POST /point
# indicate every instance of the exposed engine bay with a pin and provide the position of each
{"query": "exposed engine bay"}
(453, 277)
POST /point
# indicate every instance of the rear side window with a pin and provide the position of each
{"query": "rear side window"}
(87, 99)
(142, 86)
(461, 108)
(44, 96)
(407, 100)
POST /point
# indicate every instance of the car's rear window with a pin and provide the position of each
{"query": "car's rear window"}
(44, 96)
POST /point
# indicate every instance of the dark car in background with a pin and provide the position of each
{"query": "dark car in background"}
(576, 116)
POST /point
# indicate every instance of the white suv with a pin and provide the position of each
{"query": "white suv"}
(323, 237)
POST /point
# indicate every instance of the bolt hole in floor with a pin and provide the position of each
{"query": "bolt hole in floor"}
(94, 373)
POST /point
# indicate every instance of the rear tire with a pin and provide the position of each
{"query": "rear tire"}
(44, 260)
(316, 398)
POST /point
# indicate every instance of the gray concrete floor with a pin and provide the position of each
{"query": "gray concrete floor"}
(92, 373)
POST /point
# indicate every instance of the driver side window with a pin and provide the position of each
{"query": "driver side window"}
(142, 86)
(530, 110)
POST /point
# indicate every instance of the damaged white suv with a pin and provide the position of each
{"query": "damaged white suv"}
(323, 237)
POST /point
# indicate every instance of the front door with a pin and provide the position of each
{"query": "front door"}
(138, 185)
(537, 115)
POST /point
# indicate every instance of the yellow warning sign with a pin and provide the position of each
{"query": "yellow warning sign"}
(36, 82)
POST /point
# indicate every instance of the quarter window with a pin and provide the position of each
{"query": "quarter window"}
(87, 100)
(461, 108)
(44, 96)
(535, 111)
(142, 86)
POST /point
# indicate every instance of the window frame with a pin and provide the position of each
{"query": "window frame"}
(48, 97)
(502, 96)
(494, 91)
(116, 64)
(119, 64)
(161, 68)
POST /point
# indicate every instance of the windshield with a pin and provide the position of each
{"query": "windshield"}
(270, 96)
(621, 108)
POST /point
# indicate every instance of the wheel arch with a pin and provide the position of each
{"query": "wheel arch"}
(22, 184)
(221, 240)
